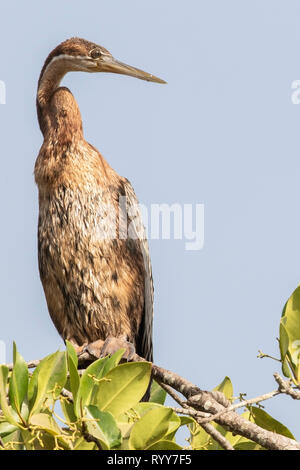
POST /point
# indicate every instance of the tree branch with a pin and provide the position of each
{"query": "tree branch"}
(198, 415)
(213, 406)
(285, 387)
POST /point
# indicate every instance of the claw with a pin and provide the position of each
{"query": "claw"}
(108, 347)
(112, 345)
(94, 349)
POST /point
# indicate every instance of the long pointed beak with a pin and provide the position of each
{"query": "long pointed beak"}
(109, 64)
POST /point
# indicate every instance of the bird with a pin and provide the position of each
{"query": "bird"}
(93, 254)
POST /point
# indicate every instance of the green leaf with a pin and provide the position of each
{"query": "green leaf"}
(33, 383)
(15, 439)
(7, 411)
(45, 422)
(246, 444)
(284, 346)
(112, 361)
(68, 411)
(126, 420)
(32, 387)
(174, 421)
(72, 353)
(286, 369)
(290, 332)
(6, 428)
(225, 387)
(89, 381)
(102, 425)
(185, 420)
(199, 439)
(152, 427)
(82, 444)
(165, 445)
(283, 341)
(49, 378)
(40, 439)
(124, 386)
(87, 385)
(264, 420)
(27, 439)
(74, 378)
(18, 384)
(141, 408)
(157, 394)
(72, 366)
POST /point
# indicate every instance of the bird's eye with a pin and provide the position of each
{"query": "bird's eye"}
(95, 53)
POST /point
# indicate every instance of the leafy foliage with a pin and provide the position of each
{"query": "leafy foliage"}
(289, 338)
(202, 441)
(100, 408)
(56, 407)
(59, 407)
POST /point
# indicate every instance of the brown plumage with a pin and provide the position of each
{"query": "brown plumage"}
(93, 256)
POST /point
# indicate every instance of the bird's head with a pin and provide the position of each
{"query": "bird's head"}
(77, 54)
(73, 55)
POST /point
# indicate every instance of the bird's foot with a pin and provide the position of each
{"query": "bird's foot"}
(108, 347)
(112, 345)
(94, 349)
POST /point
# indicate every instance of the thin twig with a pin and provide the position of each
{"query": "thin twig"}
(262, 355)
(189, 411)
(241, 404)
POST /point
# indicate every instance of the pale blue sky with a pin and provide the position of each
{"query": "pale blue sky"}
(223, 132)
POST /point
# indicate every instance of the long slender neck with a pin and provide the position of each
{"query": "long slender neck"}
(58, 112)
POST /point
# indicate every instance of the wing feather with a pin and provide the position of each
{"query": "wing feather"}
(136, 230)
